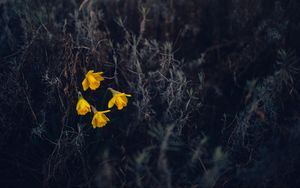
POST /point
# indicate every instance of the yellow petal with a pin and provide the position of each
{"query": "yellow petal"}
(94, 121)
(119, 103)
(83, 107)
(100, 119)
(85, 84)
(98, 76)
(77, 106)
(101, 124)
(111, 102)
(105, 117)
(93, 82)
(105, 111)
(91, 78)
(119, 99)
(94, 85)
(125, 100)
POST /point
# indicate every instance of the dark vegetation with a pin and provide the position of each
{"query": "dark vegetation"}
(215, 88)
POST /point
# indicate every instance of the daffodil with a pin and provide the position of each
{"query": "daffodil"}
(100, 119)
(92, 80)
(119, 99)
(82, 107)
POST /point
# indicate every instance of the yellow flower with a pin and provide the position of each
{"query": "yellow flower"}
(82, 107)
(100, 119)
(92, 80)
(119, 99)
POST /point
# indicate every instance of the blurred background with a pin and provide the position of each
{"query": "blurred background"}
(214, 84)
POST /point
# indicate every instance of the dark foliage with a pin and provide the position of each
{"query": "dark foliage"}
(215, 93)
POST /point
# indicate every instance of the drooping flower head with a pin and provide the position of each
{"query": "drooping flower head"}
(100, 119)
(82, 107)
(92, 80)
(119, 99)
